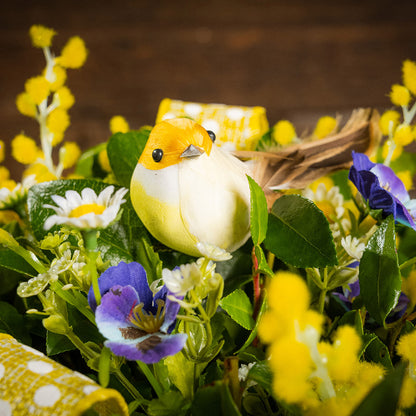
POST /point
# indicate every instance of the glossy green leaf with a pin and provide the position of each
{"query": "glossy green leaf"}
(258, 212)
(383, 399)
(379, 274)
(377, 352)
(238, 306)
(124, 150)
(298, 233)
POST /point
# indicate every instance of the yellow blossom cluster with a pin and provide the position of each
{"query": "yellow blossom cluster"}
(283, 132)
(325, 126)
(406, 348)
(398, 127)
(320, 377)
(47, 99)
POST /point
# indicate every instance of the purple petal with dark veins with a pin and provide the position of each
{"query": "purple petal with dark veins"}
(149, 350)
(114, 310)
(124, 274)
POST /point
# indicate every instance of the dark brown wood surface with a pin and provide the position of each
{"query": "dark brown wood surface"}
(300, 59)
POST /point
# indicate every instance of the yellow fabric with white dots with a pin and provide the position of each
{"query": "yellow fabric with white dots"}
(235, 127)
(32, 384)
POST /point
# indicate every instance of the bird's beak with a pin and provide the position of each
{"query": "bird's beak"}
(192, 151)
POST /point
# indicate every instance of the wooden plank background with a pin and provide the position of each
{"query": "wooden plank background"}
(300, 59)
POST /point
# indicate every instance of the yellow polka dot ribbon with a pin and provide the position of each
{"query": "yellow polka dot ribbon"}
(235, 127)
(32, 384)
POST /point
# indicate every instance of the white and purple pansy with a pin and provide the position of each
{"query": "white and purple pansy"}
(383, 190)
(136, 323)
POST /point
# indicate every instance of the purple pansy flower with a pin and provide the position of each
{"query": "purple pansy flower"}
(379, 185)
(136, 323)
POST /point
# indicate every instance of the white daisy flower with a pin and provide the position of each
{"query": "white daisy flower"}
(213, 252)
(9, 197)
(331, 202)
(87, 210)
(353, 246)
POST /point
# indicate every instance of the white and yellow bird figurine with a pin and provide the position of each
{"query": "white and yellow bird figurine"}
(186, 190)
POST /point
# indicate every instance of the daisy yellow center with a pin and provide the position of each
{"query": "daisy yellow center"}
(327, 208)
(87, 209)
(147, 321)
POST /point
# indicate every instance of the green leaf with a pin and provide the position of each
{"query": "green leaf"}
(170, 403)
(379, 273)
(85, 164)
(377, 352)
(214, 400)
(238, 306)
(124, 150)
(12, 261)
(57, 343)
(262, 266)
(383, 399)
(262, 374)
(182, 373)
(13, 323)
(258, 212)
(254, 405)
(253, 333)
(298, 233)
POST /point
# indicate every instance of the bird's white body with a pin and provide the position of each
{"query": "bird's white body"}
(201, 199)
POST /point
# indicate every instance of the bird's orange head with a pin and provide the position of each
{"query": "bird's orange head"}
(172, 141)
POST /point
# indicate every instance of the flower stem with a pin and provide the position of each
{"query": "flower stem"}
(129, 387)
(324, 291)
(85, 351)
(150, 377)
(408, 263)
(90, 239)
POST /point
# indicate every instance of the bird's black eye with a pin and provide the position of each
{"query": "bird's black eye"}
(211, 134)
(157, 155)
